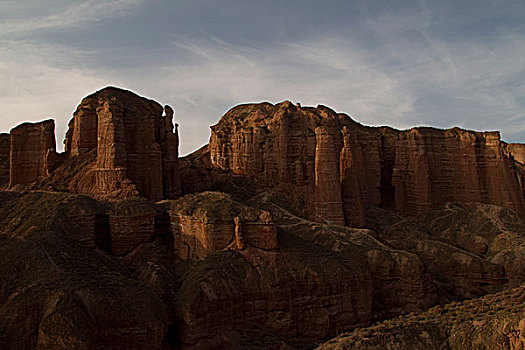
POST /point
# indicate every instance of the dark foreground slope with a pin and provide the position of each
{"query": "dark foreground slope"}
(64, 285)
(496, 321)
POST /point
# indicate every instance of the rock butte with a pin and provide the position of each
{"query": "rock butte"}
(255, 240)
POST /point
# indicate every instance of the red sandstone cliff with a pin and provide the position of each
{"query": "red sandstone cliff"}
(32, 153)
(5, 149)
(118, 145)
(137, 146)
(334, 165)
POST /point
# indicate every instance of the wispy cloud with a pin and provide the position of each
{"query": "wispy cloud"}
(400, 68)
(74, 15)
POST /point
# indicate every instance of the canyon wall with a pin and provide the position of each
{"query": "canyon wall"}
(5, 150)
(334, 166)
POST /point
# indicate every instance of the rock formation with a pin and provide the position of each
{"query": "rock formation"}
(517, 150)
(5, 149)
(408, 172)
(32, 153)
(137, 147)
(132, 223)
(209, 222)
(101, 249)
(473, 324)
(328, 203)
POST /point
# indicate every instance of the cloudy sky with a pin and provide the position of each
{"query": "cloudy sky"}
(399, 63)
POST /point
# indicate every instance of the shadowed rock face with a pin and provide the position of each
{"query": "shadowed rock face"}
(58, 292)
(408, 172)
(495, 321)
(32, 152)
(210, 222)
(5, 150)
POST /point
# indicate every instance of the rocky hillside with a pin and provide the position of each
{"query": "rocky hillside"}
(293, 226)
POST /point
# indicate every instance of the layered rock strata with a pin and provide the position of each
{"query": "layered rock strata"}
(492, 322)
(210, 222)
(287, 147)
(32, 152)
(517, 150)
(5, 150)
(137, 146)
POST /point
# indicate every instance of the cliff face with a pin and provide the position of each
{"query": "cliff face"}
(335, 166)
(5, 150)
(517, 150)
(32, 153)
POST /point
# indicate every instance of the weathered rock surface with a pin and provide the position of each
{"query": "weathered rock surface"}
(136, 146)
(210, 222)
(32, 152)
(408, 172)
(57, 293)
(5, 150)
(495, 321)
(437, 216)
(132, 222)
(517, 150)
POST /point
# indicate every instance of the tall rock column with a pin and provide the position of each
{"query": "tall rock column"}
(5, 150)
(127, 153)
(33, 148)
(170, 156)
(351, 193)
(328, 202)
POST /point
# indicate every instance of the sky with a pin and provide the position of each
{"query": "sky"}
(398, 63)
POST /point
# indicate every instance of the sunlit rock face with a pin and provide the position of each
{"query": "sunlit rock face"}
(135, 141)
(327, 162)
(5, 150)
(32, 152)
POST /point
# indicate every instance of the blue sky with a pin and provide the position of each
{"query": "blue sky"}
(398, 63)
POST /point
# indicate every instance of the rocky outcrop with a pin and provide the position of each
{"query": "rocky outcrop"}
(5, 150)
(281, 147)
(136, 145)
(132, 223)
(57, 293)
(211, 222)
(33, 152)
(517, 150)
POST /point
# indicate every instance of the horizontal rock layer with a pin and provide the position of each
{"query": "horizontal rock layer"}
(137, 146)
(32, 152)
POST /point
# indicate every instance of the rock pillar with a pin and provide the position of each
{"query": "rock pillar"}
(33, 147)
(239, 237)
(351, 192)
(328, 202)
